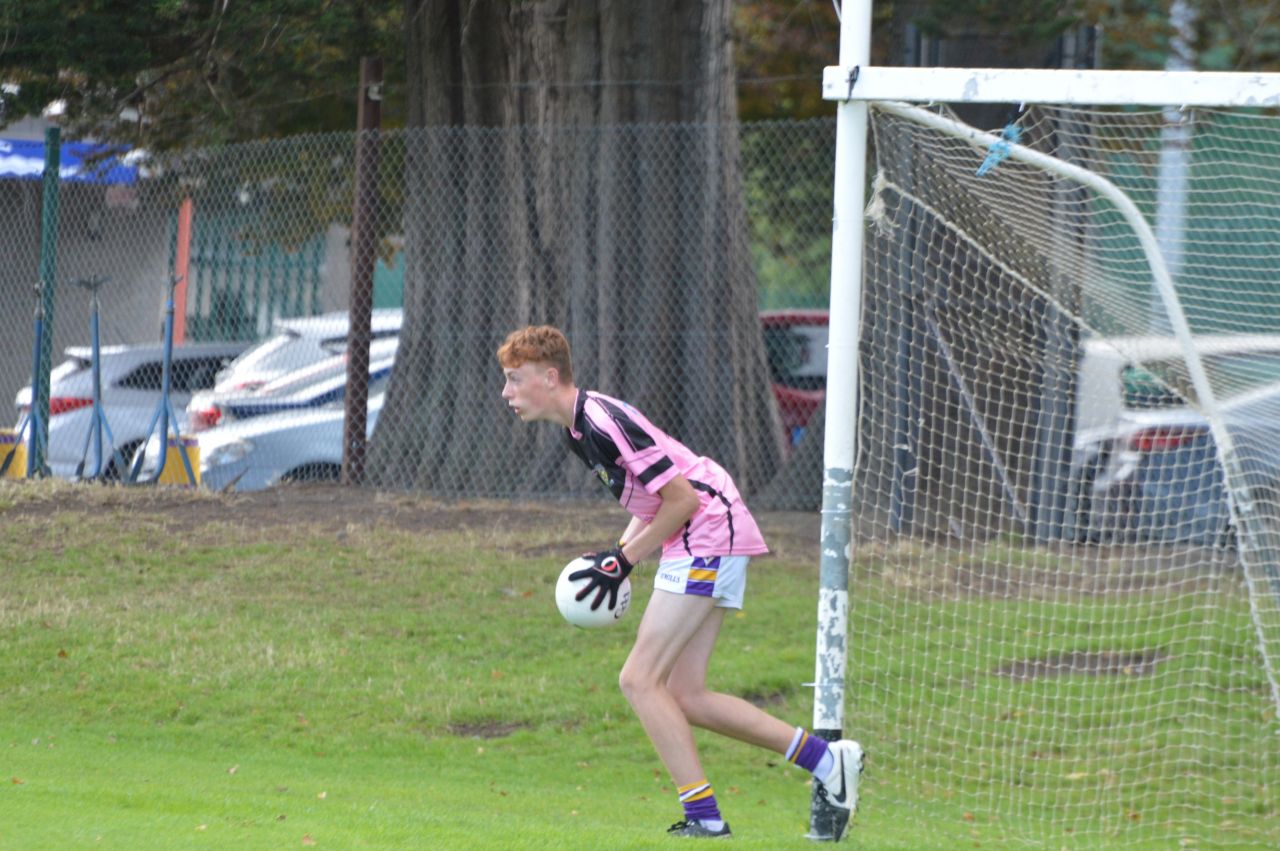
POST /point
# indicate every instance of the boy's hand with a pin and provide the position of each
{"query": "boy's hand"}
(607, 571)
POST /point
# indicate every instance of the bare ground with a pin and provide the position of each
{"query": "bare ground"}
(793, 535)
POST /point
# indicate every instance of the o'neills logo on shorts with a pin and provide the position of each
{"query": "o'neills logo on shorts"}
(667, 577)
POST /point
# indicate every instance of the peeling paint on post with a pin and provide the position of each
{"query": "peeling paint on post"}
(833, 601)
(827, 823)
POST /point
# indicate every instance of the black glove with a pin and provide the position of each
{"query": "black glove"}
(606, 573)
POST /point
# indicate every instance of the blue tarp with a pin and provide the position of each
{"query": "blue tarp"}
(25, 161)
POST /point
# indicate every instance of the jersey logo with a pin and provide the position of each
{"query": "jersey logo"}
(603, 475)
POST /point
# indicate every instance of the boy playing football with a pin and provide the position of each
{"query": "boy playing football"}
(688, 507)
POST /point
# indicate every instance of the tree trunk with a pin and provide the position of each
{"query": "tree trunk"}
(573, 164)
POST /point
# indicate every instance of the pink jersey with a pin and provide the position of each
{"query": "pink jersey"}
(634, 459)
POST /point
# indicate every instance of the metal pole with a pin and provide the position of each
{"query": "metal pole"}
(364, 238)
(37, 434)
(826, 822)
(93, 435)
(48, 266)
(1173, 173)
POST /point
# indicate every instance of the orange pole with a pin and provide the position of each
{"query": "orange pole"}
(181, 264)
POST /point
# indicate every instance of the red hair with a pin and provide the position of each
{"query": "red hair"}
(537, 344)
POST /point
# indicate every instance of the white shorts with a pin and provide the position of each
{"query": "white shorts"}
(723, 578)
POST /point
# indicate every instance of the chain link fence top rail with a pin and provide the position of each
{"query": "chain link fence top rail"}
(688, 266)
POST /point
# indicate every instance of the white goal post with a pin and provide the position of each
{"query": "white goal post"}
(854, 84)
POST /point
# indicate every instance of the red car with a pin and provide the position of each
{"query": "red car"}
(795, 341)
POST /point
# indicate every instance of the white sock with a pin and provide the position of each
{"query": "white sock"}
(825, 766)
(712, 824)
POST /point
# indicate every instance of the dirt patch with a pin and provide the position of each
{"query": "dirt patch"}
(1093, 663)
(579, 525)
(486, 729)
(766, 700)
(1048, 572)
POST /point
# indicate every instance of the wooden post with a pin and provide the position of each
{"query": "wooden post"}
(364, 244)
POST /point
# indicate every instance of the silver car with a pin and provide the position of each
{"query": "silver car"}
(299, 342)
(1121, 380)
(319, 384)
(288, 446)
(1163, 480)
(131, 381)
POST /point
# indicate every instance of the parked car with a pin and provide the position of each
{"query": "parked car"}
(131, 381)
(300, 342)
(311, 386)
(287, 446)
(1163, 482)
(795, 343)
(1117, 373)
(1122, 376)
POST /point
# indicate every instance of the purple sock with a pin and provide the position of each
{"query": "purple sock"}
(699, 802)
(806, 751)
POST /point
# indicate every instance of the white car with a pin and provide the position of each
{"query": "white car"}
(257, 453)
(299, 342)
(131, 380)
(1115, 372)
(1122, 377)
(311, 386)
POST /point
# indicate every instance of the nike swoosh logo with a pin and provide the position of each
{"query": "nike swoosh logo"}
(839, 798)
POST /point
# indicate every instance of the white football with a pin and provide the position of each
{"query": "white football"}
(578, 612)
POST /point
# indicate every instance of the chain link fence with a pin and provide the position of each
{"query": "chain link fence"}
(687, 264)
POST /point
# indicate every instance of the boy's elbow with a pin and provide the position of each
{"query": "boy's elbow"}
(682, 498)
(689, 503)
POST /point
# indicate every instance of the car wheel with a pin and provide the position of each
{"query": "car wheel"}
(317, 472)
(1082, 493)
(112, 473)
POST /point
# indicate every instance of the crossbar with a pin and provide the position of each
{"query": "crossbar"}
(1021, 85)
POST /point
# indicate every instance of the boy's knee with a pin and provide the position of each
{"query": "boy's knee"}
(633, 681)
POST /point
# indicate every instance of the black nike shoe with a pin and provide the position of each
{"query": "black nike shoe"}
(698, 830)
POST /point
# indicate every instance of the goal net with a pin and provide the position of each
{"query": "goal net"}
(1064, 620)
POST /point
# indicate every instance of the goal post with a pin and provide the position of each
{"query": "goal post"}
(1102, 649)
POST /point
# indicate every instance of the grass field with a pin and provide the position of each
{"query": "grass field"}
(168, 682)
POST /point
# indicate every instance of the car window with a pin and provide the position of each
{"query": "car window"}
(255, 355)
(797, 356)
(187, 374)
(144, 376)
(1144, 391)
(1167, 383)
(192, 374)
(298, 353)
(338, 345)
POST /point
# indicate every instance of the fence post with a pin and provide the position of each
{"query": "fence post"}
(48, 270)
(181, 267)
(364, 239)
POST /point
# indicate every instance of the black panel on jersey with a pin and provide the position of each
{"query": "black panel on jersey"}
(598, 451)
(636, 436)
